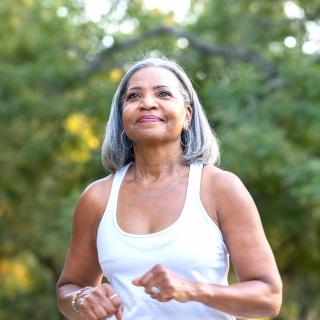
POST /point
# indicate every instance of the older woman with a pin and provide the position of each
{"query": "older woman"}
(161, 227)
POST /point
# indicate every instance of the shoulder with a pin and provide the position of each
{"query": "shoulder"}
(218, 189)
(226, 187)
(97, 190)
(236, 210)
(93, 200)
(222, 181)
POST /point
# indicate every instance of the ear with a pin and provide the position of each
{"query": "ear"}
(188, 117)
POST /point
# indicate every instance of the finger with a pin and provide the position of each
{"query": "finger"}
(109, 308)
(115, 300)
(100, 312)
(145, 279)
(153, 289)
(118, 314)
(164, 299)
(111, 296)
(142, 281)
(87, 311)
(136, 281)
(160, 297)
(163, 295)
(100, 305)
(89, 314)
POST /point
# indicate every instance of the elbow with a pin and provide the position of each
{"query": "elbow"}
(275, 310)
(276, 306)
(275, 300)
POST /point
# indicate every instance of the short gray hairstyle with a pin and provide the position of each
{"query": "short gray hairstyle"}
(198, 144)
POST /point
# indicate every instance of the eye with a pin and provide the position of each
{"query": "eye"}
(132, 96)
(163, 94)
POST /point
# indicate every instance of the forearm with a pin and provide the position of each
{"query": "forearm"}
(244, 300)
(64, 301)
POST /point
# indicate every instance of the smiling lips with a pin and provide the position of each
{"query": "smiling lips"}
(149, 118)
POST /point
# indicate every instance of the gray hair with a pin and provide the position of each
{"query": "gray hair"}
(199, 142)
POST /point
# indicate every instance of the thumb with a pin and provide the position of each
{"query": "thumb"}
(118, 314)
(136, 281)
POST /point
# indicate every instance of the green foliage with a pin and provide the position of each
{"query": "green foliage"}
(263, 102)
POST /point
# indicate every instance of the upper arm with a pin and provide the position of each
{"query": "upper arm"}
(240, 223)
(82, 265)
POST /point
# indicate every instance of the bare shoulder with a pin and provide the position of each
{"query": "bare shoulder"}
(222, 180)
(93, 200)
(216, 186)
(224, 184)
(230, 195)
(98, 191)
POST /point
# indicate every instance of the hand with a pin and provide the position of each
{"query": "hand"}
(99, 303)
(171, 285)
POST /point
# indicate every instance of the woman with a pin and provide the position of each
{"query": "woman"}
(161, 227)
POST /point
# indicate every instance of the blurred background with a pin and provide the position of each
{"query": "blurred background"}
(256, 68)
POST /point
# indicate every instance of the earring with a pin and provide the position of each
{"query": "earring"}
(123, 140)
(185, 137)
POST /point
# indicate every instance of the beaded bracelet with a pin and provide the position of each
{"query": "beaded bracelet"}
(75, 297)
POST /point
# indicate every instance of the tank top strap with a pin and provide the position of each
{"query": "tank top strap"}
(195, 179)
(193, 189)
(117, 180)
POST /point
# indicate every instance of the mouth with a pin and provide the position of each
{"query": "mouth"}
(149, 118)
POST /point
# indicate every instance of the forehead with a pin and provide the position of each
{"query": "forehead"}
(150, 77)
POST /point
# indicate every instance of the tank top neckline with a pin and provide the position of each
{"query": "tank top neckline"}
(191, 187)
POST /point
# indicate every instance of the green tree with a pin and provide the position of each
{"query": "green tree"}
(58, 72)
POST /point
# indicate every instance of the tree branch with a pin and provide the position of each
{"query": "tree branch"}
(226, 52)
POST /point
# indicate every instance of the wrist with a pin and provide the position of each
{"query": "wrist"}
(200, 292)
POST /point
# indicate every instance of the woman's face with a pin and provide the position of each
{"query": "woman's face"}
(154, 109)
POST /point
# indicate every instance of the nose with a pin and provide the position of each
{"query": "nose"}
(148, 102)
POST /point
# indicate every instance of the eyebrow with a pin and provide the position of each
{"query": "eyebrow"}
(155, 87)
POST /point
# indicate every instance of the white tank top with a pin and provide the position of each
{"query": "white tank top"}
(192, 247)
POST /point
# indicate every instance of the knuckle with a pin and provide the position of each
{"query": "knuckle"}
(91, 294)
(87, 300)
(99, 289)
(162, 273)
(105, 289)
(143, 282)
(101, 314)
(164, 299)
(159, 267)
(170, 287)
(105, 286)
(111, 310)
(117, 304)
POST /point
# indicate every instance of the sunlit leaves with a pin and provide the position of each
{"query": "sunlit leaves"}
(52, 122)
(80, 126)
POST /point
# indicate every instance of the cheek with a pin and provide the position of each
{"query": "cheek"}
(178, 117)
(126, 116)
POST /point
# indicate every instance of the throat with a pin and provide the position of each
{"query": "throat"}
(144, 188)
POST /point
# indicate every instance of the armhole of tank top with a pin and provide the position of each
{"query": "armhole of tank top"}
(113, 197)
(197, 183)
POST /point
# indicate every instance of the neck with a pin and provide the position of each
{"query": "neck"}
(158, 161)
